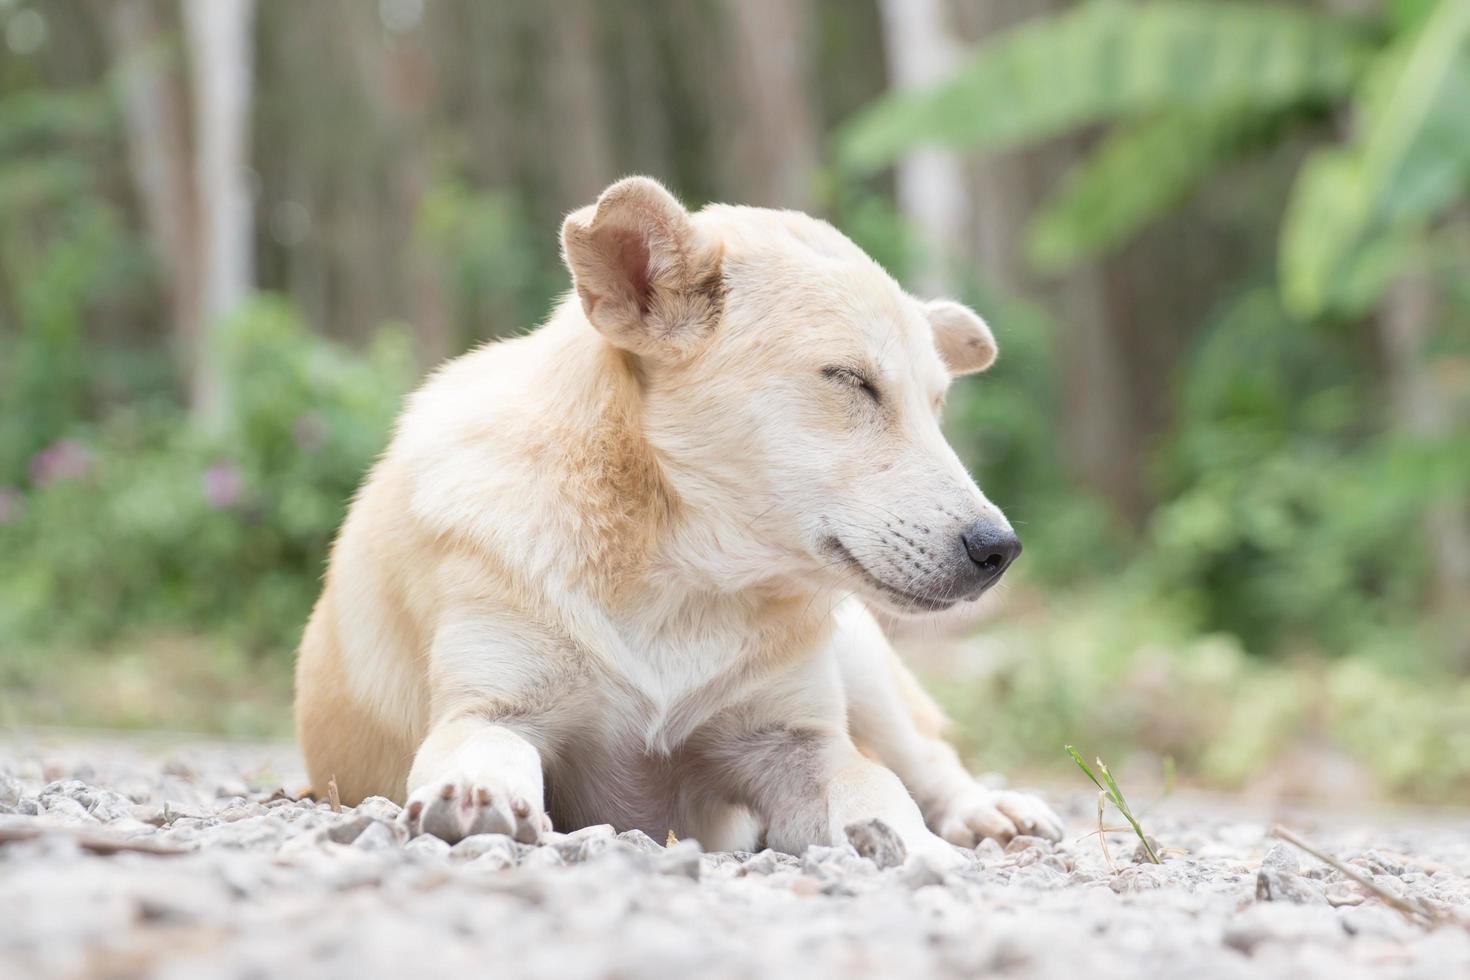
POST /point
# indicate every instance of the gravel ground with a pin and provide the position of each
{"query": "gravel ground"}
(259, 885)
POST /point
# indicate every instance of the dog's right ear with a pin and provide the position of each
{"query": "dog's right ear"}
(647, 281)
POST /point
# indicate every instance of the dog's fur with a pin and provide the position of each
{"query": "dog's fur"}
(609, 572)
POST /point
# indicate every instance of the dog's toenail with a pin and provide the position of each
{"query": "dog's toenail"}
(520, 808)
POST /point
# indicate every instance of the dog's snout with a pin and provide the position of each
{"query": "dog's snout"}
(991, 548)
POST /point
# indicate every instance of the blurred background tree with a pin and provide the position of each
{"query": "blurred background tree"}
(1223, 245)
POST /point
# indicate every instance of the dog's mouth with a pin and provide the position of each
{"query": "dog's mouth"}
(911, 601)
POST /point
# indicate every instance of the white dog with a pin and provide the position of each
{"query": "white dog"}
(609, 572)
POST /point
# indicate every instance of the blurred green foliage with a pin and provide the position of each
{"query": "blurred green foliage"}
(1193, 86)
(1136, 677)
(137, 521)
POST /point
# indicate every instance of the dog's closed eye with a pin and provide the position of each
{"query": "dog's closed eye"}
(855, 379)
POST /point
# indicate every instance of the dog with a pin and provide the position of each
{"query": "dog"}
(620, 569)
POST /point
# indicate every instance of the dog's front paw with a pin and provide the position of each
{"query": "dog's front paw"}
(456, 807)
(977, 813)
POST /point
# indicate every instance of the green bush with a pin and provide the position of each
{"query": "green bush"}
(1122, 670)
(141, 522)
(1290, 519)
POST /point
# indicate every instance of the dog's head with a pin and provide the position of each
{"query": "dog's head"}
(792, 391)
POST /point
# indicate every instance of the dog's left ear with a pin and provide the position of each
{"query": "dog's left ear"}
(965, 343)
(647, 280)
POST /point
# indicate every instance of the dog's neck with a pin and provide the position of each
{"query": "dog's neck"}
(646, 529)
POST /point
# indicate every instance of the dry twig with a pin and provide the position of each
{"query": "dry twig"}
(96, 843)
(1414, 909)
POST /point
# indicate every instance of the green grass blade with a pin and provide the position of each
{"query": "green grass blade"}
(1109, 786)
(1084, 767)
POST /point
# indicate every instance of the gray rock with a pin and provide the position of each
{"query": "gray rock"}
(542, 857)
(426, 846)
(767, 862)
(1023, 842)
(477, 845)
(876, 841)
(379, 808)
(920, 871)
(380, 835)
(1282, 858)
(989, 851)
(682, 860)
(1141, 855)
(10, 790)
(641, 841)
(1276, 886)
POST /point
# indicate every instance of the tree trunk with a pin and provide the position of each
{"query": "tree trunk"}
(776, 140)
(1421, 412)
(160, 160)
(931, 183)
(581, 153)
(220, 45)
(1104, 439)
(409, 86)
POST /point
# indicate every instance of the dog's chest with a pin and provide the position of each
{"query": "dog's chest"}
(676, 678)
(667, 677)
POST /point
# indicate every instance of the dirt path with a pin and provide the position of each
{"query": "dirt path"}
(279, 888)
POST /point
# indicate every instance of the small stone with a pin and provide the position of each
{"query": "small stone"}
(1379, 863)
(878, 842)
(65, 808)
(1343, 893)
(10, 791)
(144, 813)
(1281, 858)
(1275, 886)
(920, 871)
(818, 861)
(1024, 842)
(345, 831)
(594, 832)
(989, 851)
(682, 860)
(1141, 855)
(477, 845)
(641, 841)
(542, 857)
(378, 836)
(427, 845)
(1139, 878)
(495, 860)
(379, 807)
(768, 863)
(586, 843)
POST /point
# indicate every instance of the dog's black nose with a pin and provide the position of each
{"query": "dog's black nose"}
(992, 549)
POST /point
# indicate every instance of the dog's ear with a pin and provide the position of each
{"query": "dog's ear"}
(646, 279)
(965, 343)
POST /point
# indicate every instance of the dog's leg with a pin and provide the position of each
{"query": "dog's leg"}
(890, 716)
(472, 776)
(809, 784)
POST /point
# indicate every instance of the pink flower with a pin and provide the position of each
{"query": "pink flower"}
(66, 459)
(223, 485)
